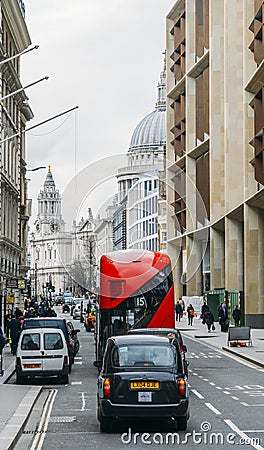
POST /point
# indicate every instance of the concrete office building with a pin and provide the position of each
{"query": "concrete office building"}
(215, 145)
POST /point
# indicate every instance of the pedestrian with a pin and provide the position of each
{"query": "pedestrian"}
(236, 315)
(2, 340)
(178, 310)
(209, 320)
(14, 329)
(223, 317)
(204, 309)
(190, 314)
(181, 301)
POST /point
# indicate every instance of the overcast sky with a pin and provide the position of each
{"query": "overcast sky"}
(104, 56)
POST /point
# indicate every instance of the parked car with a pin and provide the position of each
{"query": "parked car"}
(165, 332)
(73, 332)
(42, 352)
(52, 322)
(142, 376)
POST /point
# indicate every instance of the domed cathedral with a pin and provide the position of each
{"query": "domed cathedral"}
(141, 188)
(50, 244)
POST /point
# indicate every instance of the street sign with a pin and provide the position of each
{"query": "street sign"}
(11, 283)
(21, 284)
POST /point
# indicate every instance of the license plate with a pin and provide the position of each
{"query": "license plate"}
(144, 385)
(32, 366)
(145, 396)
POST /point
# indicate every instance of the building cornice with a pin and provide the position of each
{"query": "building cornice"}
(16, 23)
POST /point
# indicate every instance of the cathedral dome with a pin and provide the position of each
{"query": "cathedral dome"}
(150, 133)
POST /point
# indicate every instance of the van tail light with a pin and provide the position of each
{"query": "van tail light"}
(182, 387)
(107, 387)
(18, 361)
(65, 360)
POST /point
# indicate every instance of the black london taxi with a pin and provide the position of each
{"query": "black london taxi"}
(142, 376)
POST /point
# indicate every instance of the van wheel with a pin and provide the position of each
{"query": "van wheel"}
(65, 379)
(181, 423)
(106, 425)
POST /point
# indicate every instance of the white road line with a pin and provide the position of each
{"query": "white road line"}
(77, 357)
(76, 382)
(200, 376)
(243, 403)
(39, 438)
(205, 379)
(211, 383)
(78, 362)
(83, 401)
(219, 387)
(197, 394)
(194, 373)
(210, 406)
(226, 392)
(242, 434)
(235, 398)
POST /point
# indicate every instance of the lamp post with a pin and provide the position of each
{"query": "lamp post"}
(36, 279)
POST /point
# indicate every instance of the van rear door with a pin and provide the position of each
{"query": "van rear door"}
(54, 350)
(31, 354)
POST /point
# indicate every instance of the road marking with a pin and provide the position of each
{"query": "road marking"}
(78, 362)
(226, 392)
(211, 383)
(242, 434)
(194, 373)
(197, 394)
(45, 417)
(243, 403)
(205, 379)
(219, 387)
(200, 376)
(76, 382)
(210, 406)
(77, 357)
(235, 398)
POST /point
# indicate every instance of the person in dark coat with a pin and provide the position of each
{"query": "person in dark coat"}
(14, 329)
(209, 320)
(223, 317)
(236, 315)
(190, 314)
(178, 310)
(204, 309)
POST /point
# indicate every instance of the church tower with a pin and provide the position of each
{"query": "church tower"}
(49, 218)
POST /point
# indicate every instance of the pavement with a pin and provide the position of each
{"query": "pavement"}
(16, 402)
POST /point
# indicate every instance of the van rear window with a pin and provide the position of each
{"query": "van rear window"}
(52, 341)
(31, 341)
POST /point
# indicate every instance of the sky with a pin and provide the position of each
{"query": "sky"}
(104, 56)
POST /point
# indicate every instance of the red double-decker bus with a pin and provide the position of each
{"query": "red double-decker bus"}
(136, 291)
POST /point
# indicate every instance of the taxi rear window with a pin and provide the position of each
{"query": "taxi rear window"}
(143, 356)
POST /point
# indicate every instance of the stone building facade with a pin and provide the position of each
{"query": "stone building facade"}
(215, 147)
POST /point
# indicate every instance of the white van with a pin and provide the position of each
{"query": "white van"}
(42, 352)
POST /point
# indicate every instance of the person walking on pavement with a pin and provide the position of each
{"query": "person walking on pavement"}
(209, 320)
(236, 315)
(204, 309)
(14, 328)
(190, 314)
(223, 319)
(181, 301)
(178, 310)
(2, 344)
